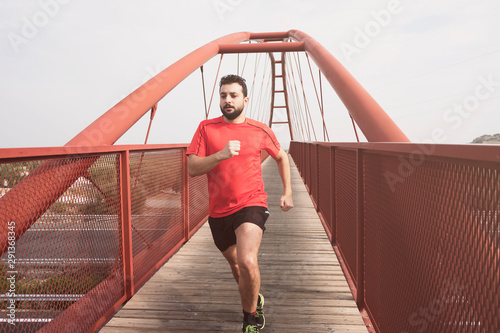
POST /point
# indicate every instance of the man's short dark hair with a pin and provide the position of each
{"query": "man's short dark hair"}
(232, 78)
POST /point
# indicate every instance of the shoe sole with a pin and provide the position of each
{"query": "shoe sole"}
(261, 297)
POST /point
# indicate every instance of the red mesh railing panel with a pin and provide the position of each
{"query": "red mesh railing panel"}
(69, 250)
(346, 194)
(431, 244)
(432, 240)
(198, 201)
(325, 186)
(66, 261)
(157, 215)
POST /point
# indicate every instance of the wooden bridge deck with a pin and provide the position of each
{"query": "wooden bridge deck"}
(303, 284)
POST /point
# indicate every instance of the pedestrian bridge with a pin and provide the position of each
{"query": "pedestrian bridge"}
(386, 235)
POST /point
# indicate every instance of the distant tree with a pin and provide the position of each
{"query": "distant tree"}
(495, 138)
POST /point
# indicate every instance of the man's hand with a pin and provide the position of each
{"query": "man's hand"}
(231, 149)
(286, 202)
(201, 165)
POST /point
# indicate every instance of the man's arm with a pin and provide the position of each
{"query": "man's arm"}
(281, 159)
(198, 166)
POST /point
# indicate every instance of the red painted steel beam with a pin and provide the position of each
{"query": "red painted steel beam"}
(268, 36)
(376, 125)
(262, 47)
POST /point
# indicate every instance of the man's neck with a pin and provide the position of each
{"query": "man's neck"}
(238, 120)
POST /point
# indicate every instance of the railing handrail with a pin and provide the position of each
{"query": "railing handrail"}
(474, 152)
(36, 152)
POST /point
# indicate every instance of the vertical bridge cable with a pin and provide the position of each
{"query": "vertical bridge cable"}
(268, 100)
(319, 102)
(306, 105)
(325, 131)
(252, 88)
(259, 92)
(244, 63)
(296, 100)
(354, 126)
(265, 96)
(204, 94)
(215, 85)
(153, 113)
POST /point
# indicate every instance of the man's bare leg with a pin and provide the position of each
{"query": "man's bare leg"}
(249, 237)
(232, 259)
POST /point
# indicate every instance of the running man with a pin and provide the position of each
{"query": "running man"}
(228, 149)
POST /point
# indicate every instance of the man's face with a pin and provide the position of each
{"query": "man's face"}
(232, 102)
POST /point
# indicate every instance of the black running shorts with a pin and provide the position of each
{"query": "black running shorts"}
(223, 227)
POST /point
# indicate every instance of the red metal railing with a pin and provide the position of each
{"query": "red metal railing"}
(416, 228)
(129, 210)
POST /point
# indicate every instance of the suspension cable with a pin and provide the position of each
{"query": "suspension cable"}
(302, 112)
(153, 113)
(305, 99)
(244, 63)
(268, 100)
(354, 126)
(215, 85)
(263, 98)
(204, 94)
(325, 130)
(252, 88)
(317, 97)
(296, 100)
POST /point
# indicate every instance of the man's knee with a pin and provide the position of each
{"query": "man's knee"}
(248, 263)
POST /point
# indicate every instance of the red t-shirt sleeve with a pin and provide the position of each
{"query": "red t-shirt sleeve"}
(271, 144)
(198, 145)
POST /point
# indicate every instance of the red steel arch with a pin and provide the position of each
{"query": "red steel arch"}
(373, 121)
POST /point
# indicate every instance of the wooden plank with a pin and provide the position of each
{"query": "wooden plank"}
(302, 281)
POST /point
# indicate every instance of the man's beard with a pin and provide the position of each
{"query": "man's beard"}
(233, 115)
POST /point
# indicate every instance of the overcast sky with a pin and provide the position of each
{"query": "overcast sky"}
(432, 65)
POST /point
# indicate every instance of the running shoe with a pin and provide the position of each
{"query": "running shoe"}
(250, 328)
(259, 317)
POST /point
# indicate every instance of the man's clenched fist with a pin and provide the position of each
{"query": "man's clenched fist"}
(231, 149)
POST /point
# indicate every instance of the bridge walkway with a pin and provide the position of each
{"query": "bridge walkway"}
(302, 281)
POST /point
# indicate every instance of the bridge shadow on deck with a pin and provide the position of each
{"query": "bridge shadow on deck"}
(303, 284)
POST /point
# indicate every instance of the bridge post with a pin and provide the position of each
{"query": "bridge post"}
(126, 224)
(333, 201)
(185, 195)
(360, 278)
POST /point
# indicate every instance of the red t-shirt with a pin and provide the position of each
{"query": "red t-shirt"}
(236, 182)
